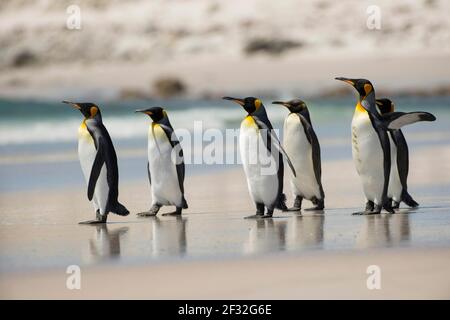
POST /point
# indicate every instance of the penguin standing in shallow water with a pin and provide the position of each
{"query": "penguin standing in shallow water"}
(370, 144)
(99, 163)
(398, 187)
(302, 147)
(165, 164)
(262, 157)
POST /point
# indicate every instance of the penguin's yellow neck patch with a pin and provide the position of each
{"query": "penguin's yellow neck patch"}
(359, 108)
(83, 132)
(249, 122)
(156, 131)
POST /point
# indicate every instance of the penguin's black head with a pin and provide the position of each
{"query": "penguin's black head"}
(363, 86)
(156, 113)
(294, 106)
(385, 105)
(250, 104)
(88, 109)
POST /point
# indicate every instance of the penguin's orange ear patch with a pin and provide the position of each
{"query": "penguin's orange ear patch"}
(392, 107)
(257, 103)
(93, 111)
(367, 88)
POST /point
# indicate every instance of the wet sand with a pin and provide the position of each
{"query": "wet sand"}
(213, 253)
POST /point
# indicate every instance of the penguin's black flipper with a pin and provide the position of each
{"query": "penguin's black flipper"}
(312, 138)
(275, 142)
(402, 156)
(95, 172)
(168, 130)
(403, 166)
(396, 120)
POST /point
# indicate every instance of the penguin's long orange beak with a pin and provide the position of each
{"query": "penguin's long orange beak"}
(349, 81)
(72, 104)
(237, 100)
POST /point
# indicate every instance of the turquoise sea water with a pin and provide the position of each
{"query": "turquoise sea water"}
(38, 139)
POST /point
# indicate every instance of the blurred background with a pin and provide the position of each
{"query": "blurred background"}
(185, 55)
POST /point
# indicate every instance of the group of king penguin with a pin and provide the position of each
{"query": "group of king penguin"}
(379, 149)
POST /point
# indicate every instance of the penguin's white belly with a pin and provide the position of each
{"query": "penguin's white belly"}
(164, 177)
(260, 168)
(395, 186)
(368, 156)
(86, 154)
(299, 151)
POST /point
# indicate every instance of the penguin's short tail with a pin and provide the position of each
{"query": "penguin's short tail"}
(184, 204)
(408, 200)
(120, 210)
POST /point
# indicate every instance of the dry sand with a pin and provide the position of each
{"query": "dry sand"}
(405, 274)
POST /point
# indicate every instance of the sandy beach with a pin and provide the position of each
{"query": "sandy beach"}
(215, 253)
(185, 55)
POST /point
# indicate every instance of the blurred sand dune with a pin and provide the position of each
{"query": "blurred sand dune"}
(123, 47)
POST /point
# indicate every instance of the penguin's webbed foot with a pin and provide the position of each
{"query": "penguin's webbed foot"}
(177, 212)
(365, 213)
(99, 218)
(150, 213)
(269, 214)
(297, 206)
(386, 207)
(281, 205)
(147, 214)
(316, 208)
(255, 216)
(92, 222)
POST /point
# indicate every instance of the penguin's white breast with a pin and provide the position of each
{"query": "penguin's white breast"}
(86, 150)
(299, 150)
(260, 168)
(368, 155)
(165, 186)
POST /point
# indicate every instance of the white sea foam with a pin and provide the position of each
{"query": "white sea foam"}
(119, 126)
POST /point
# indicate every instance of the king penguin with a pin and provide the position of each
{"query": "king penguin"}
(165, 165)
(262, 157)
(398, 187)
(99, 163)
(302, 147)
(370, 144)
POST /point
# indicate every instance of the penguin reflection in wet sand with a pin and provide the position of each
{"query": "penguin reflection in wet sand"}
(398, 187)
(262, 157)
(99, 163)
(165, 165)
(302, 147)
(370, 144)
